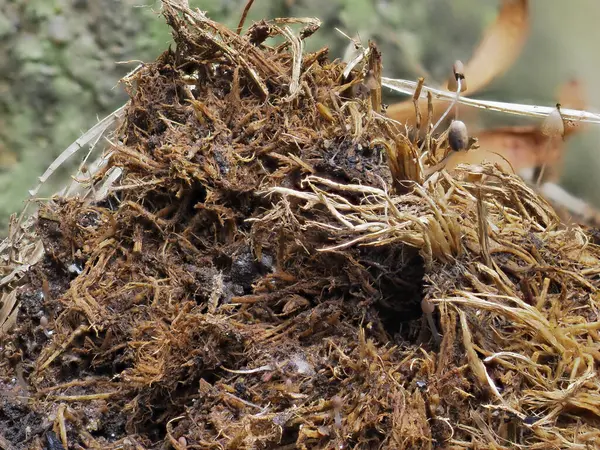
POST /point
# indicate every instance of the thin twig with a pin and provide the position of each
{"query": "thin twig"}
(408, 87)
(243, 18)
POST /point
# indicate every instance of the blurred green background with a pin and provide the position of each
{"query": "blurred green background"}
(60, 61)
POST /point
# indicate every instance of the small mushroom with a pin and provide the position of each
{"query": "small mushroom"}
(457, 78)
(554, 125)
(458, 84)
(458, 136)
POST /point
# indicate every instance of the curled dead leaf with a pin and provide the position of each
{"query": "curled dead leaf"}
(525, 147)
(499, 48)
(529, 147)
(501, 45)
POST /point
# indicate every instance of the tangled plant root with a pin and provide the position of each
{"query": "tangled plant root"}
(253, 276)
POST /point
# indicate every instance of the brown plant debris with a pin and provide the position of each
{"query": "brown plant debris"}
(253, 276)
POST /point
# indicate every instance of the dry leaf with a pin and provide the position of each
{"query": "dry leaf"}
(500, 46)
(527, 147)
(8, 312)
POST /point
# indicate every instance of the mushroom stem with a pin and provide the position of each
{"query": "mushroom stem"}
(436, 336)
(428, 308)
(454, 102)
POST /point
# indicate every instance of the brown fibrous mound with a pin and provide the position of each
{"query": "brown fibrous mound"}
(254, 279)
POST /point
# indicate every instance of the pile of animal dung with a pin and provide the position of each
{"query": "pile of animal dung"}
(272, 270)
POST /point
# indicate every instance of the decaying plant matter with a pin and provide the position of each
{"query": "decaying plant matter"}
(528, 150)
(250, 267)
